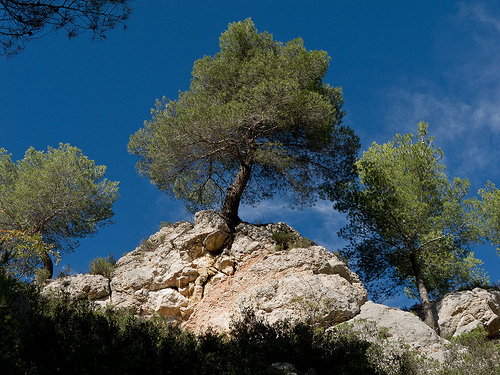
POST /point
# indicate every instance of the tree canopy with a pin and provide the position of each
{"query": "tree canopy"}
(25, 20)
(491, 213)
(408, 225)
(59, 195)
(20, 252)
(258, 121)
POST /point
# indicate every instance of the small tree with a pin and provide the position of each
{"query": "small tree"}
(491, 213)
(25, 20)
(408, 225)
(257, 121)
(61, 195)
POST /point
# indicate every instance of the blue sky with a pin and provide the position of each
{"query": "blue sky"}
(399, 62)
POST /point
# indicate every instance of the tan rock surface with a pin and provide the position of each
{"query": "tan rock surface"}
(461, 312)
(199, 275)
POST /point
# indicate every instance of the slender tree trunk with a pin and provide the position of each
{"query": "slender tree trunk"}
(47, 264)
(233, 194)
(422, 290)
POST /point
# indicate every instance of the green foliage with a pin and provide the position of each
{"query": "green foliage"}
(59, 335)
(257, 121)
(287, 240)
(102, 266)
(66, 271)
(165, 224)
(491, 213)
(473, 354)
(59, 194)
(24, 249)
(147, 245)
(41, 276)
(408, 225)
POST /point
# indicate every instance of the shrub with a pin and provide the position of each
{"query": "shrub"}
(147, 245)
(60, 335)
(66, 271)
(103, 266)
(41, 276)
(164, 224)
(473, 354)
(288, 240)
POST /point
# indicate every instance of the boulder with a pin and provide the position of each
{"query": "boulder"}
(461, 312)
(92, 286)
(297, 284)
(402, 327)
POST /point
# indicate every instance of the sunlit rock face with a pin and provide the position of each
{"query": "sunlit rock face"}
(201, 275)
(461, 312)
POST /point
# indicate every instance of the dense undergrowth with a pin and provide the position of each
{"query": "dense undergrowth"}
(58, 335)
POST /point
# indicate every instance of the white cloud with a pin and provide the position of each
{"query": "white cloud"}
(478, 12)
(319, 223)
(461, 101)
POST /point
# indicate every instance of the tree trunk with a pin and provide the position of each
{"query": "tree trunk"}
(422, 290)
(233, 195)
(47, 264)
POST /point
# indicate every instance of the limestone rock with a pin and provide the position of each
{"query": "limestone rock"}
(91, 286)
(294, 284)
(200, 275)
(167, 302)
(402, 326)
(461, 312)
(216, 240)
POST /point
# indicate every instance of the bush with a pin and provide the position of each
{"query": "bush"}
(288, 240)
(102, 266)
(473, 354)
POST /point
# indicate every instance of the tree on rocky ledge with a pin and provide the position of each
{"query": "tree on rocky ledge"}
(408, 225)
(258, 121)
(59, 195)
(25, 20)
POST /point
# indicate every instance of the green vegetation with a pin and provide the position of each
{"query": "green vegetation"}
(257, 121)
(491, 213)
(288, 240)
(23, 251)
(42, 334)
(51, 199)
(48, 335)
(102, 266)
(473, 354)
(408, 225)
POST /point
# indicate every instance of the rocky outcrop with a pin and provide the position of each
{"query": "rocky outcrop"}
(95, 287)
(461, 312)
(297, 284)
(201, 275)
(402, 327)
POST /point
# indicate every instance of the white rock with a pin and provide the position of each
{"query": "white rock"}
(175, 275)
(92, 286)
(461, 312)
(402, 326)
(167, 302)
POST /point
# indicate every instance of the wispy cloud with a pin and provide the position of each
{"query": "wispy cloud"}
(477, 12)
(319, 223)
(461, 101)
